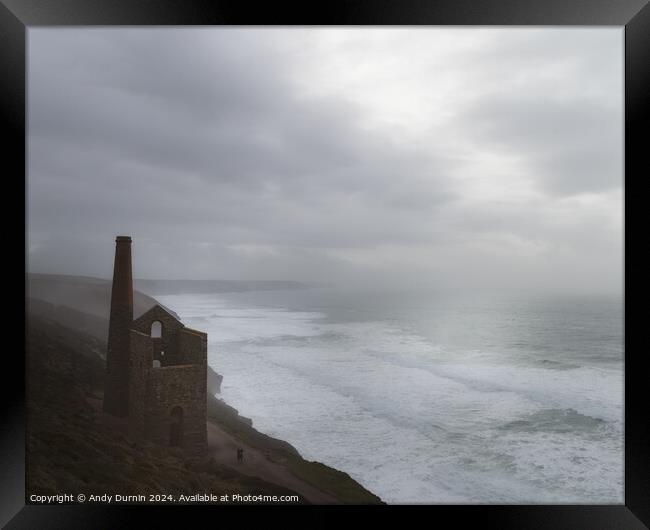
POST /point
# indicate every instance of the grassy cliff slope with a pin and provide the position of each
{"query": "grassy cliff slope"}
(72, 447)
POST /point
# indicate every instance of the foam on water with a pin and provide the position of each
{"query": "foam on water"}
(414, 421)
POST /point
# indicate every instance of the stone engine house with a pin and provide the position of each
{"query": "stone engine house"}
(156, 368)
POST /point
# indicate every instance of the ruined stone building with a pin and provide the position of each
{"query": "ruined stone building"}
(156, 368)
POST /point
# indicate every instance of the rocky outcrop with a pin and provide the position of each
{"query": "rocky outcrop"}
(214, 382)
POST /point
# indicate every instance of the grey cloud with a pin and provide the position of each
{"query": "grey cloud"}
(572, 146)
(204, 147)
(553, 99)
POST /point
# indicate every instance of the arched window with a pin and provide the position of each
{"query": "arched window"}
(156, 329)
(176, 427)
(156, 363)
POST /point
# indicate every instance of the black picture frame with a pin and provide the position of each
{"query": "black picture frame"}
(17, 16)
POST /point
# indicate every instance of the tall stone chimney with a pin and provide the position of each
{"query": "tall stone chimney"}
(116, 386)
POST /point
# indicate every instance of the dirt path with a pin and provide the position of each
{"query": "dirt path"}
(222, 446)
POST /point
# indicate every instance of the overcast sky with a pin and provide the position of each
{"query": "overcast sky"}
(406, 157)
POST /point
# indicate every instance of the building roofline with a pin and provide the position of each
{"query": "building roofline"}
(154, 308)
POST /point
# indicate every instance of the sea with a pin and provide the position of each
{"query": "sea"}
(477, 397)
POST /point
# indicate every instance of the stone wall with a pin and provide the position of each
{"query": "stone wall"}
(181, 381)
(181, 386)
(169, 333)
(140, 363)
(163, 403)
(192, 346)
(157, 348)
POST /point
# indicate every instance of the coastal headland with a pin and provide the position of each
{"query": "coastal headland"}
(74, 448)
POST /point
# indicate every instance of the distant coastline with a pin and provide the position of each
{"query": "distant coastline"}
(157, 287)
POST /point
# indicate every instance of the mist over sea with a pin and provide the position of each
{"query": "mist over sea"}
(480, 397)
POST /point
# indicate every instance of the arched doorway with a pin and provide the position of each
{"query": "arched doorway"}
(176, 427)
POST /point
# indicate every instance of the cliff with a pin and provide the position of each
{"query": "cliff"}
(83, 293)
(73, 446)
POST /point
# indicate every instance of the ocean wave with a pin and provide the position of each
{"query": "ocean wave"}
(417, 421)
(556, 421)
(557, 365)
